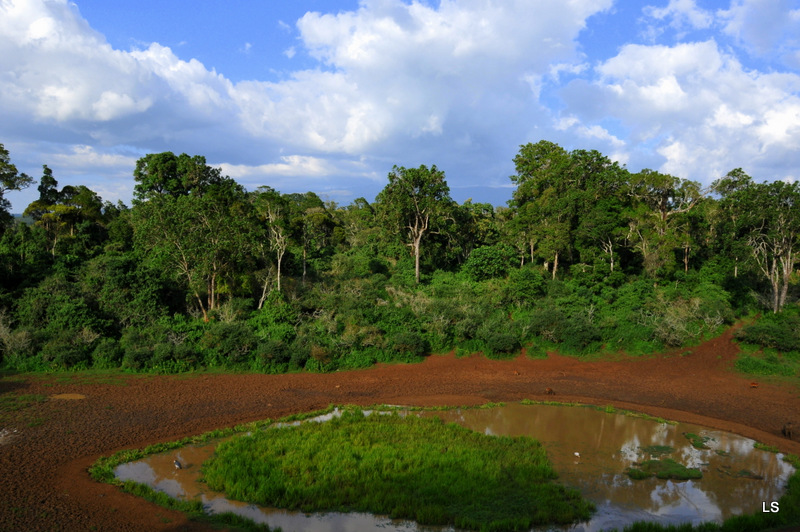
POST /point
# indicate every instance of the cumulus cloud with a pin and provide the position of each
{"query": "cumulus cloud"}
(391, 75)
(681, 15)
(700, 110)
(765, 27)
(459, 84)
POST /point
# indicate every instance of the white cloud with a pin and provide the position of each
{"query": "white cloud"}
(290, 165)
(701, 109)
(765, 27)
(456, 83)
(682, 14)
(85, 158)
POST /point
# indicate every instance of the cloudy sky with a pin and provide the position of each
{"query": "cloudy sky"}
(327, 95)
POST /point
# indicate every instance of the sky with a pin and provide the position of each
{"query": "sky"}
(329, 95)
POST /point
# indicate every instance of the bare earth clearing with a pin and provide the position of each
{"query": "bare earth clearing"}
(43, 467)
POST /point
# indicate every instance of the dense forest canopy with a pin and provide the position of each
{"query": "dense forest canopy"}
(199, 272)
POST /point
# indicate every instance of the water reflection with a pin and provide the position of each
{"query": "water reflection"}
(606, 443)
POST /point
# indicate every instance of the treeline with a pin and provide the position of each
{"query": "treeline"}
(199, 272)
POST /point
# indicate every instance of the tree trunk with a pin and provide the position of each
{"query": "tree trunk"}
(686, 259)
(304, 265)
(417, 240)
(202, 307)
(555, 265)
(280, 259)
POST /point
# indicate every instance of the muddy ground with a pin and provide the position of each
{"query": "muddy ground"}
(43, 465)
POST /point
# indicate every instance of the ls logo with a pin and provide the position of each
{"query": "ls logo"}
(772, 508)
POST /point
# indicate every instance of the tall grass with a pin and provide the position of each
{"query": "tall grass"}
(408, 468)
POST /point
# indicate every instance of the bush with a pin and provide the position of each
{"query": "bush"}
(524, 286)
(107, 354)
(272, 356)
(580, 335)
(228, 344)
(502, 343)
(70, 349)
(488, 262)
(780, 331)
(410, 344)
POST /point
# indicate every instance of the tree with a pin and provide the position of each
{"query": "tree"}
(725, 218)
(165, 173)
(768, 215)
(10, 179)
(60, 213)
(272, 210)
(416, 201)
(201, 239)
(546, 200)
(310, 222)
(662, 203)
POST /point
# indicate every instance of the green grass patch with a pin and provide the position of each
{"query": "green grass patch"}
(765, 447)
(664, 468)
(742, 473)
(698, 442)
(767, 361)
(658, 450)
(407, 468)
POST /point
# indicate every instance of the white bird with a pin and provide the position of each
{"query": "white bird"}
(577, 454)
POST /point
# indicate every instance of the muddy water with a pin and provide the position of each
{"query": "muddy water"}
(606, 443)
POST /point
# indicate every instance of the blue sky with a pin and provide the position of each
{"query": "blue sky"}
(328, 95)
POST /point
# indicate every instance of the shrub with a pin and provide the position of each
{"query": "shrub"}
(488, 262)
(780, 331)
(524, 286)
(410, 343)
(502, 343)
(228, 343)
(580, 335)
(107, 354)
(272, 356)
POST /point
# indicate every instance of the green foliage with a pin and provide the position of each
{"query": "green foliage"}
(769, 363)
(488, 262)
(410, 344)
(664, 468)
(408, 468)
(779, 331)
(198, 273)
(502, 344)
(524, 286)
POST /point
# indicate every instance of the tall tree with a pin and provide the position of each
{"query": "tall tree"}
(768, 215)
(662, 204)
(200, 239)
(273, 212)
(545, 199)
(417, 202)
(10, 179)
(165, 173)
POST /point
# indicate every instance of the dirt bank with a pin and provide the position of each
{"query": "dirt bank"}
(43, 464)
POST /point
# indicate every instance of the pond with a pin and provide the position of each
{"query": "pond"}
(737, 478)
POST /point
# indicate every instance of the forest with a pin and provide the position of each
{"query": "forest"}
(587, 259)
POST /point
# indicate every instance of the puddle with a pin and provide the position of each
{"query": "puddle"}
(6, 435)
(609, 443)
(68, 396)
(606, 444)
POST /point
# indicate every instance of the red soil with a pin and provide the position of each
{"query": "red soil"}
(43, 468)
